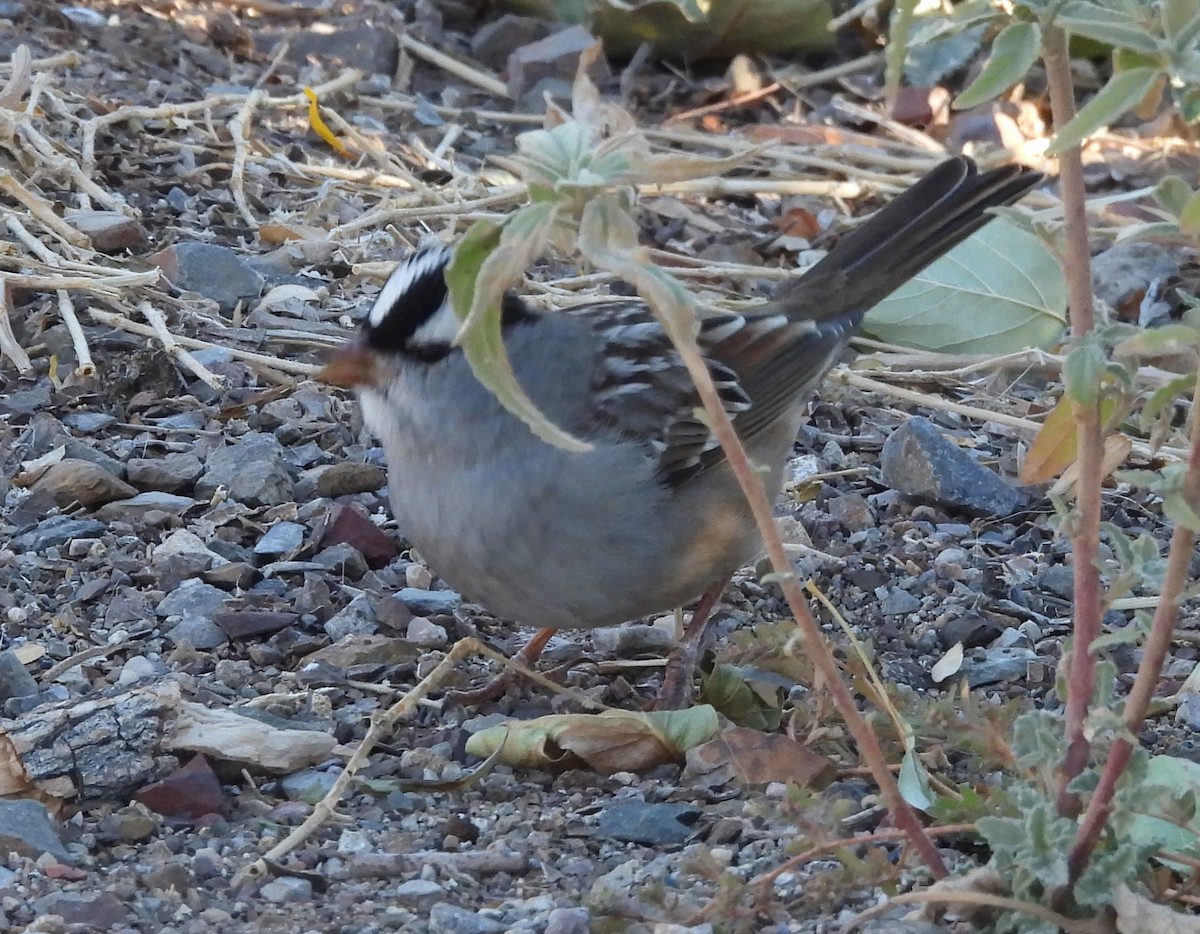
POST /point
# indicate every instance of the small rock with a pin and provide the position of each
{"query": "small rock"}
(346, 524)
(899, 602)
(253, 471)
(109, 231)
(167, 877)
(494, 41)
(140, 509)
(919, 462)
(26, 829)
(358, 618)
(996, 665)
(445, 918)
(88, 422)
(417, 889)
(649, 824)
(241, 624)
(308, 784)
(15, 679)
(426, 634)
(428, 602)
(215, 272)
(230, 575)
(182, 543)
(92, 912)
(1059, 579)
(342, 560)
(971, 629)
(342, 479)
(370, 49)
(173, 473)
(363, 650)
(852, 512)
(192, 598)
(283, 538)
(78, 481)
(177, 199)
(132, 823)
(139, 668)
(286, 890)
(353, 842)
(1122, 274)
(555, 57)
(55, 532)
(568, 921)
(190, 792)
(199, 633)
(633, 639)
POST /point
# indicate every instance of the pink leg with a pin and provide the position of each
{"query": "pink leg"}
(676, 690)
(495, 688)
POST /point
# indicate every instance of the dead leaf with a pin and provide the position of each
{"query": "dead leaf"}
(1117, 449)
(613, 741)
(1053, 450)
(755, 758)
(949, 664)
(1137, 914)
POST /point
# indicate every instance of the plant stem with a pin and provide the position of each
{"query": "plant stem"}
(814, 642)
(1085, 544)
(1179, 558)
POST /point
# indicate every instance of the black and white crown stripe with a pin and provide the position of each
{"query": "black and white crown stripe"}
(412, 311)
(424, 262)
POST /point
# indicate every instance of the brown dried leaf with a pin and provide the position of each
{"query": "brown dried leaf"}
(756, 758)
(613, 741)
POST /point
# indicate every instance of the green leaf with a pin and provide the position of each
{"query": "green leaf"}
(1181, 21)
(1189, 104)
(486, 262)
(1162, 400)
(1014, 51)
(1179, 511)
(1123, 92)
(1083, 372)
(929, 61)
(1189, 217)
(914, 782)
(1120, 29)
(1173, 193)
(1173, 775)
(608, 238)
(1000, 291)
(1154, 342)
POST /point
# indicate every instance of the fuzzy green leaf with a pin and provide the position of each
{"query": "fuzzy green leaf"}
(1123, 92)
(1014, 51)
(488, 260)
(998, 292)
(1083, 371)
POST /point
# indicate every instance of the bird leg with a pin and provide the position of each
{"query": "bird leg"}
(496, 688)
(676, 691)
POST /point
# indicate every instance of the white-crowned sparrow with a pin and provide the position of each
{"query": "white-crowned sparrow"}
(651, 517)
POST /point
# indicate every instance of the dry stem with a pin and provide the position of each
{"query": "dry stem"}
(1085, 545)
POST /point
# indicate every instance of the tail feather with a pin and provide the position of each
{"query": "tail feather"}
(902, 238)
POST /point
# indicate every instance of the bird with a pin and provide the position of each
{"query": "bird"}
(650, 517)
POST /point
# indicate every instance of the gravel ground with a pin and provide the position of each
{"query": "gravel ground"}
(235, 541)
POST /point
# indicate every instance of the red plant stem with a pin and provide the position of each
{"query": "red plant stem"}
(1179, 558)
(1085, 545)
(750, 479)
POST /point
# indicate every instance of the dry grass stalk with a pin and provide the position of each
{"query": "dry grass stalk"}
(8, 341)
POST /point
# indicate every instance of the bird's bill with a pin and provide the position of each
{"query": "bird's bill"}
(352, 365)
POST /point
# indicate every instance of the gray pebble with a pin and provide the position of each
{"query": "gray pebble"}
(428, 602)
(445, 918)
(281, 539)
